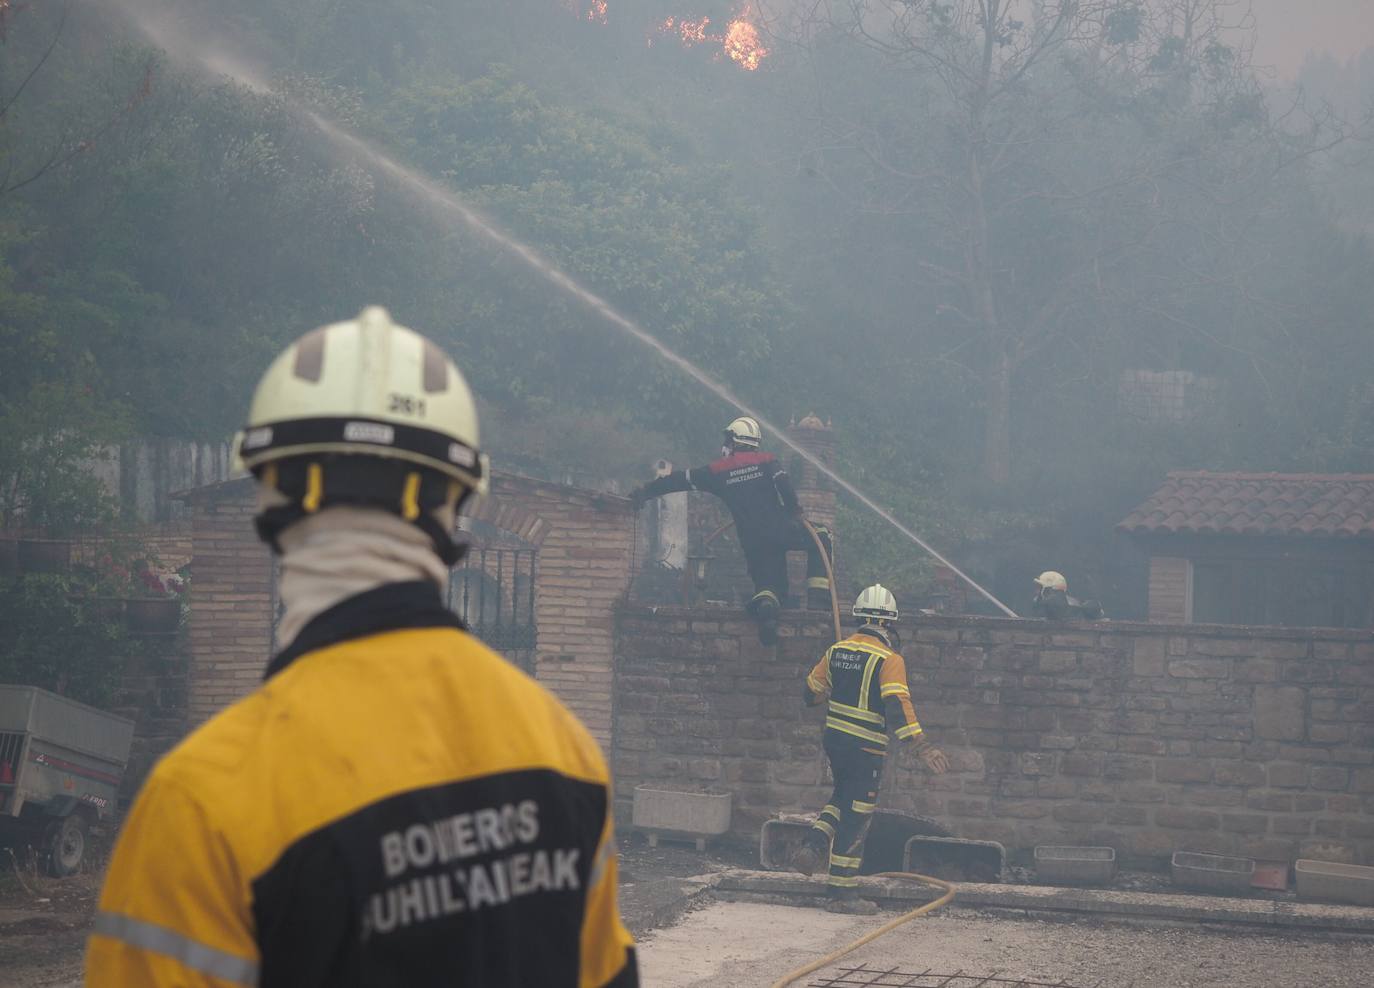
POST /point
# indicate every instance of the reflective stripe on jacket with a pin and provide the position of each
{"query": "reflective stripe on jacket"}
(860, 675)
(396, 805)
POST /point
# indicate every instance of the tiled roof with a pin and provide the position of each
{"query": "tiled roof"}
(1339, 505)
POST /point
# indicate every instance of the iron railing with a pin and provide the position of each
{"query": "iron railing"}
(492, 591)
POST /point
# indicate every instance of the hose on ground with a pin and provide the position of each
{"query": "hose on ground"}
(929, 907)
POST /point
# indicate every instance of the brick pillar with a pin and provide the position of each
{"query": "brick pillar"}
(231, 599)
(815, 491)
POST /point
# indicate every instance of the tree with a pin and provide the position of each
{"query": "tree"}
(1032, 149)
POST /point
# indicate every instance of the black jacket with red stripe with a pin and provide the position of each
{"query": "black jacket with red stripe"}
(753, 485)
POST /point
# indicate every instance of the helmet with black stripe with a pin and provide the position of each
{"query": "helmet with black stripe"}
(876, 604)
(364, 412)
(743, 433)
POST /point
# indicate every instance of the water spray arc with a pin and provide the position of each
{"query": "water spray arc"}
(433, 194)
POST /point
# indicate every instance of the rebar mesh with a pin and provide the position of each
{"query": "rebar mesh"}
(869, 977)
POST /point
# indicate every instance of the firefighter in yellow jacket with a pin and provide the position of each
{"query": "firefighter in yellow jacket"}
(395, 805)
(864, 678)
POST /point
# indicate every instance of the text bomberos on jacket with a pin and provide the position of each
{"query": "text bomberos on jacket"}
(453, 883)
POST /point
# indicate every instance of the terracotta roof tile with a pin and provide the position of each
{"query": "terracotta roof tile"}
(1199, 502)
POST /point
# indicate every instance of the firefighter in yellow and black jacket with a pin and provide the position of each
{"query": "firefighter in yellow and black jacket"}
(864, 678)
(396, 805)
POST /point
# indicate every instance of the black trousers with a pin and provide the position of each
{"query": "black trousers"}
(843, 824)
(766, 560)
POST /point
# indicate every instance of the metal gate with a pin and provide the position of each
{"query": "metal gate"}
(492, 590)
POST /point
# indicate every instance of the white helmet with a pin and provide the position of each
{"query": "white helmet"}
(364, 412)
(744, 431)
(1050, 580)
(876, 603)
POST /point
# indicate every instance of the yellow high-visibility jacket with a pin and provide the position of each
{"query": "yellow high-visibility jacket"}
(866, 683)
(396, 805)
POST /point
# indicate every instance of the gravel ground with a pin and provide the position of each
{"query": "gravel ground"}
(736, 944)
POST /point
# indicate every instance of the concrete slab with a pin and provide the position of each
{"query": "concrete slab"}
(1087, 903)
(747, 945)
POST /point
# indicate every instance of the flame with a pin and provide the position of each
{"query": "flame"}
(694, 32)
(740, 42)
(593, 11)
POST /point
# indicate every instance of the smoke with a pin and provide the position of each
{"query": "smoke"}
(183, 34)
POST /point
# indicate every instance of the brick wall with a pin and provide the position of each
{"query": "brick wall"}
(1147, 738)
(584, 543)
(584, 540)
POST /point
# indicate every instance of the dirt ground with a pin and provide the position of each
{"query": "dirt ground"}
(745, 945)
(43, 924)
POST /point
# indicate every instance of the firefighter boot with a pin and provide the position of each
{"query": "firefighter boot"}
(848, 902)
(764, 609)
(807, 858)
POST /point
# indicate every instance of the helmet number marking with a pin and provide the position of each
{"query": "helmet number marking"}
(399, 404)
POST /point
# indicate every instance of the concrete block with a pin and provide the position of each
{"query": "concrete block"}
(955, 858)
(1336, 852)
(693, 814)
(1062, 865)
(1212, 872)
(1335, 882)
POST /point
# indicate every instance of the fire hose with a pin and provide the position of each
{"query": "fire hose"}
(929, 907)
(829, 575)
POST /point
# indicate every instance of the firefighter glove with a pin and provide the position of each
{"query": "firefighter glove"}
(934, 759)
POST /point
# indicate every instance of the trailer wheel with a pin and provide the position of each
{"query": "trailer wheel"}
(66, 845)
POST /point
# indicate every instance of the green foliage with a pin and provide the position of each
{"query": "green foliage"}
(59, 639)
(803, 232)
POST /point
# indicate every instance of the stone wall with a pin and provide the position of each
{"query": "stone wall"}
(1148, 738)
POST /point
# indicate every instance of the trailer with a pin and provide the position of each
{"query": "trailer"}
(61, 763)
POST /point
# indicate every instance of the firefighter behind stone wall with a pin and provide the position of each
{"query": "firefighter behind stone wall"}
(396, 804)
(1053, 603)
(864, 678)
(768, 520)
